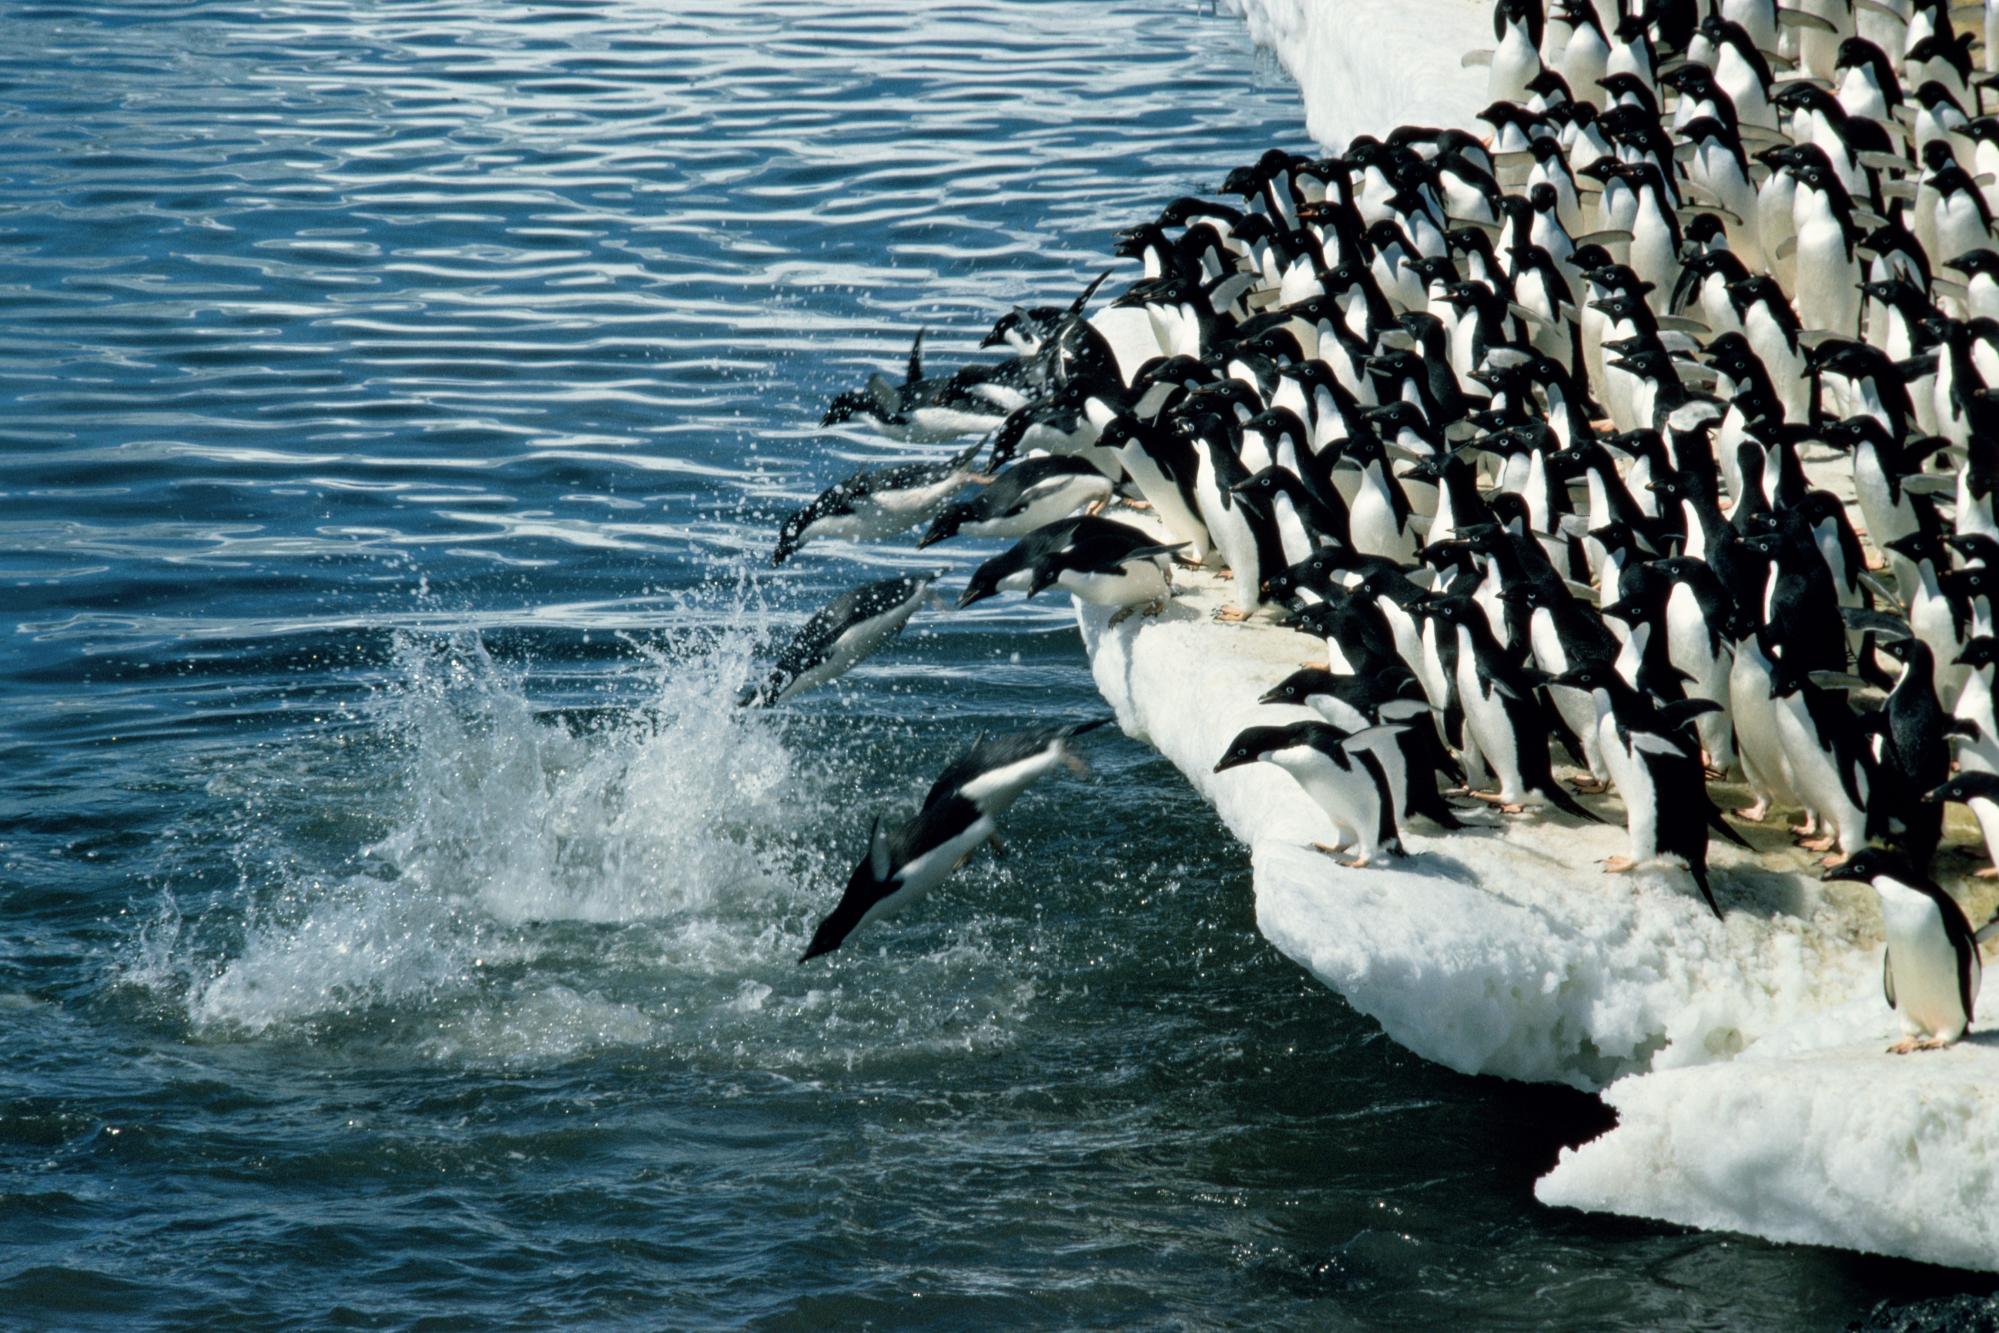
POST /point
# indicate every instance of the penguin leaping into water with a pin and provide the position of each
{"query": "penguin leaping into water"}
(850, 628)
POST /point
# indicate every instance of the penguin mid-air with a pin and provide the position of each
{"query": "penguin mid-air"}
(1028, 495)
(876, 502)
(970, 402)
(1930, 969)
(902, 866)
(850, 628)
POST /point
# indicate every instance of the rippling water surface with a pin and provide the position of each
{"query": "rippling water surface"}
(396, 924)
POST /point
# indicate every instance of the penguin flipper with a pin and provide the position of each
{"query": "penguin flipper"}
(1887, 979)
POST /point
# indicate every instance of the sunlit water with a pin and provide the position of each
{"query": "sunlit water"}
(395, 921)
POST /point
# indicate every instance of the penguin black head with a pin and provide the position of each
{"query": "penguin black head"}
(1872, 863)
(1902, 650)
(847, 406)
(1974, 263)
(1252, 744)
(1966, 787)
(1588, 676)
(1980, 652)
(1298, 686)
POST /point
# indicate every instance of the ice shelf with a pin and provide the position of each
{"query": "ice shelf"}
(1744, 1057)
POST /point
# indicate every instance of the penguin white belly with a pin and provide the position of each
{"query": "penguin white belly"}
(1922, 963)
(1166, 501)
(1291, 534)
(925, 872)
(1636, 792)
(1765, 766)
(1817, 775)
(948, 423)
(1828, 279)
(995, 790)
(1377, 530)
(1348, 796)
(1690, 648)
(1135, 583)
(1487, 723)
(849, 648)
(1514, 65)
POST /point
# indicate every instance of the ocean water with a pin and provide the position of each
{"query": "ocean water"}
(397, 927)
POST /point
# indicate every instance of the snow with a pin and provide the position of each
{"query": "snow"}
(1838, 1144)
(1366, 66)
(1744, 1057)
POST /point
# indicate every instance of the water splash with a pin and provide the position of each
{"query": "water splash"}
(508, 835)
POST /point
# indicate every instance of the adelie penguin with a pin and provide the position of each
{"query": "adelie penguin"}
(876, 502)
(1031, 494)
(902, 866)
(997, 769)
(1930, 970)
(1096, 559)
(1340, 774)
(850, 628)
(967, 402)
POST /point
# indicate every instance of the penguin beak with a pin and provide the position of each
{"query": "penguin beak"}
(1845, 870)
(1234, 759)
(1938, 796)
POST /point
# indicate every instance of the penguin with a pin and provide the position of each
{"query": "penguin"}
(1657, 772)
(1161, 464)
(1110, 565)
(926, 409)
(849, 629)
(992, 774)
(901, 867)
(876, 502)
(1031, 494)
(1338, 771)
(1302, 519)
(1829, 761)
(1930, 968)
(1913, 750)
(1410, 764)
(1381, 521)
(1503, 712)
(1038, 559)
(1979, 791)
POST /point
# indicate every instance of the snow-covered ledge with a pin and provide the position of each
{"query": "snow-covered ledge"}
(1366, 66)
(1743, 1057)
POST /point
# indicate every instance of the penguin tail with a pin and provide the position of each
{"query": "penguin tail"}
(1700, 882)
(1561, 800)
(1724, 828)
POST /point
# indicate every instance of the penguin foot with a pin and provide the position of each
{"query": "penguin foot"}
(1315, 666)
(1587, 786)
(1603, 426)
(1513, 809)
(1836, 859)
(1325, 849)
(1753, 814)
(1155, 606)
(1934, 1043)
(1358, 863)
(1096, 507)
(1138, 504)
(1231, 614)
(999, 848)
(1225, 573)
(1903, 1047)
(1119, 616)
(1489, 797)
(1618, 865)
(1186, 563)
(983, 478)
(1990, 872)
(1817, 844)
(1713, 774)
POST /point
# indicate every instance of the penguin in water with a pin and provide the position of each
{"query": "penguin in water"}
(1930, 969)
(1338, 771)
(850, 628)
(902, 866)
(876, 502)
(1656, 767)
(1031, 494)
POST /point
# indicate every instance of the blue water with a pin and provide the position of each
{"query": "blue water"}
(397, 928)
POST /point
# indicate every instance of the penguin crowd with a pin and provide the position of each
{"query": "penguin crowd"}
(1654, 431)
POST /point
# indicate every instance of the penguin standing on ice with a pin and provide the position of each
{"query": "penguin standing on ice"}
(1930, 969)
(1411, 763)
(1340, 774)
(1655, 763)
(852, 626)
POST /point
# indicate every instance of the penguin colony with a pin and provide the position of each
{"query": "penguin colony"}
(1518, 426)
